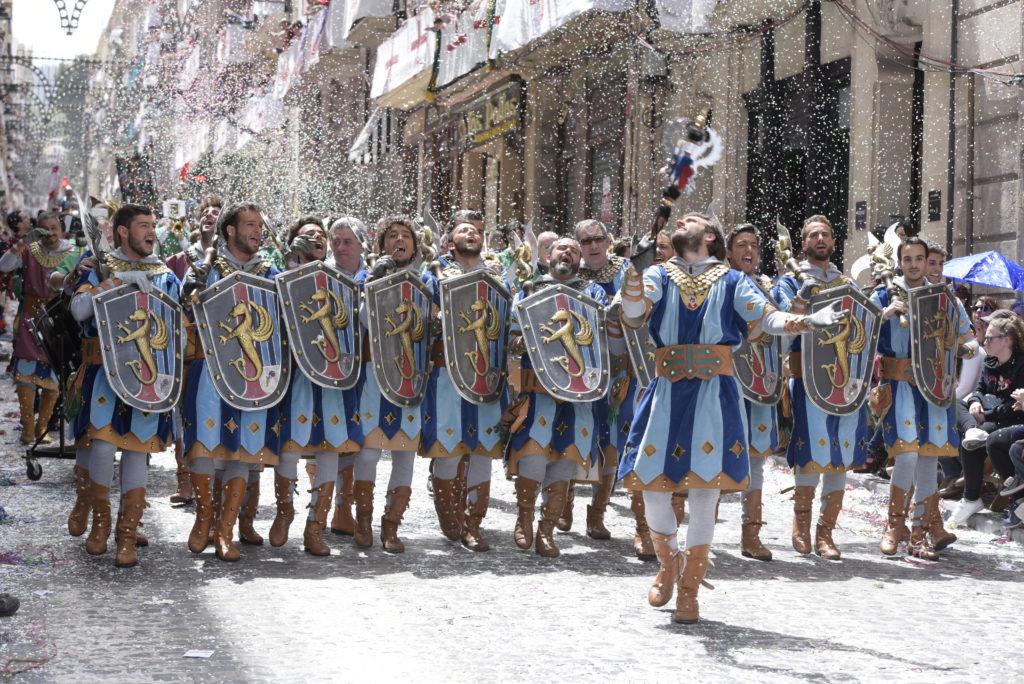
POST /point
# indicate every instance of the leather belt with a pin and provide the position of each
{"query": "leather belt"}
(33, 305)
(892, 368)
(529, 382)
(91, 351)
(796, 370)
(702, 361)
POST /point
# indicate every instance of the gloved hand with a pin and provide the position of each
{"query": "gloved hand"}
(807, 289)
(139, 279)
(643, 253)
(382, 266)
(35, 235)
(301, 245)
(824, 318)
(194, 282)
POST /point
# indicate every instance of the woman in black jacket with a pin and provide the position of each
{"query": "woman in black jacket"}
(989, 424)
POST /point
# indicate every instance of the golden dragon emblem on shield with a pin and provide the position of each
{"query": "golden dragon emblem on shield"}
(940, 328)
(755, 361)
(410, 328)
(332, 317)
(248, 336)
(839, 372)
(152, 334)
(571, 339)
(486, 328)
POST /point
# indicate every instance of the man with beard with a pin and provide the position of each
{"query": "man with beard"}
(385, 426)
(454, 428)
(744, 254)
(608, 272)
(684, 434)
(549, 437)
(213, 440)
(822, 446)
(34, 257)
(105, 424)
(916, 433)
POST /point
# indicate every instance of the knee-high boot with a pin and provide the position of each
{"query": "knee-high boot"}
(133, 504)
(526, 504)
(199, 537)
(217, 501)
(78, 518)
(919, 545)
(247, 534)
(750, 539)
(668, 573)
(47, 400)
(896, 527)
(471, 537)
(564, 522)
(224, 529)
(392, 518)
(342, 521)
(27, 406)
(823, 543)
(597, 508)
(312, 536)
(695, 566)
(544, 543)
(96, 542)
(446, 504)
(940, 537)
(643, 545)
(803, 497)
(362, 491)
(285, 510)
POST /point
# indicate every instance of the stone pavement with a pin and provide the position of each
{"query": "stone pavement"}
(441, 613)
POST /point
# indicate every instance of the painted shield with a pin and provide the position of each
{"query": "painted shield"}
(640, 348)
(837, 361)
(475, 319)
(320, 306)
(401, 336)
(142, 344)
(934, 340)
(565, 335)
(757, 367)
(239, 323)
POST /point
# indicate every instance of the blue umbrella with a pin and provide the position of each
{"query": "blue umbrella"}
(988, 268)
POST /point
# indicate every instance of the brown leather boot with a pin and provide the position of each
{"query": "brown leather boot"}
(802, 499)
(27, 405)
(47, 400)
(446, 504)
(937, 532)
(823, 544)
(392, 518)
(217, 502)
(526, 503)
(283, 487)
(595, 511)
(544, 543)
(199, 537)
(312, 536)
(362, 492)
(919, 546)
(183, 494)
(247, 534)
(668, 573)
(342, 521)
(643, 547)
(679, 506)
(695, 566)
(565, 517)
(96, 542)
(750, 530)
(133, 504)
(471, 537)
(224, 529)
(896, 528)
(78, 518)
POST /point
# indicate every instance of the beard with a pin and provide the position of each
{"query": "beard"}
(139, 247)
(564, 268)
(242, 245)
(823, 253)
(465, 250)
(687, 242)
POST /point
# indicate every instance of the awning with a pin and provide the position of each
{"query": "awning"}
(464, 42)
(524, 21)
(406, 54)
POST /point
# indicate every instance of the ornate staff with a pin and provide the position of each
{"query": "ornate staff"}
(882, 266)
(784, 253)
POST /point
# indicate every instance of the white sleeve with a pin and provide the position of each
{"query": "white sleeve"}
(10, 261)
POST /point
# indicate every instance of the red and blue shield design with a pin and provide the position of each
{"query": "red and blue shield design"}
(399, 308)
(475, 320)
(934, 340)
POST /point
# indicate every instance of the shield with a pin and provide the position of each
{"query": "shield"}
(399, 308)
(640, 348)
(239, 324)
(565, 335)
(757, 367)
(320, 306)
(475, 316)
(934, 340)
(837, 361)
(142, 344)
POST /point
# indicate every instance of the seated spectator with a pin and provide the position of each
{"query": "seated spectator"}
(992, 411)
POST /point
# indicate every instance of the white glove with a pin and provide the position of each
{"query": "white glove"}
(140, 279)
(825, 318)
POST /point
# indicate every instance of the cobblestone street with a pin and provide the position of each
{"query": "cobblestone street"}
(440, 612)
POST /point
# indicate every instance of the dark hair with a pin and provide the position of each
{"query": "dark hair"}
(212, 201)
(124, 217)
(741, 228)
(620, 247)
(817, 218)
(14, 217)
(297, 225)
(230, 217)
(712, 226)
(401, 219)
(987, 302)
(934, 248)
(1008, 323)
(464, 216)
(907, 243)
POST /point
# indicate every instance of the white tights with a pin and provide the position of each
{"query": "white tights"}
(914, 470)
(831, 482)
(101, 465)
(661, 517)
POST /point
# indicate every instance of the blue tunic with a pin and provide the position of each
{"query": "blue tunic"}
(103, 415)
(217, 430)
(692, 433)
(911, 423)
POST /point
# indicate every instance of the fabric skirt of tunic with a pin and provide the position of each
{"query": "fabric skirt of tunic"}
(105, 417)
(316, 418)
(38, 373)
(453, 426)
(823, 443)
(385, 425)
(557, 429)
(763, 421)
(912, 424)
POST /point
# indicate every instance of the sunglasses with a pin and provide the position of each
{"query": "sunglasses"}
(592, 240)
(989, 338)
(982, 307)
